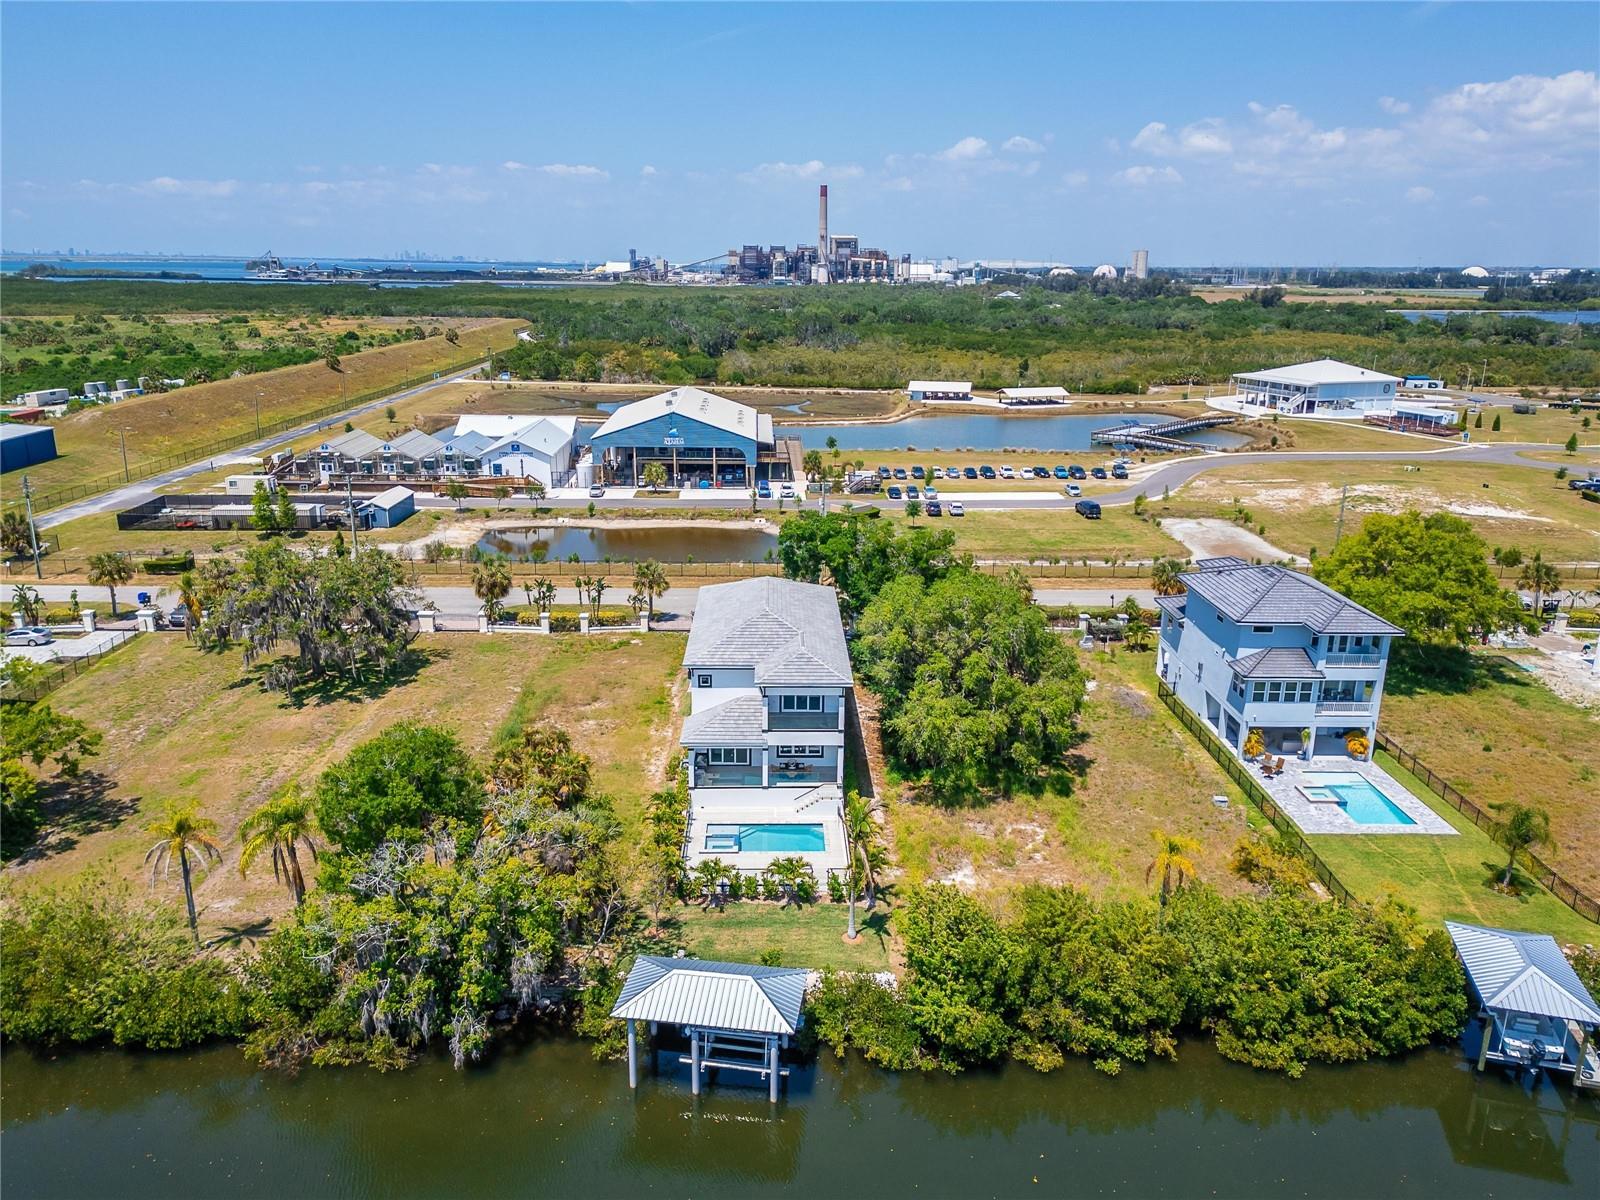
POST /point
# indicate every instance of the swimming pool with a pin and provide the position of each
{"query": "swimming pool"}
(1361, 801)
(735, 839)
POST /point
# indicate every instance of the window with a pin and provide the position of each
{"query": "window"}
(799, 751)
(730, 756)
(799, 703)
(1261, 629)
(702, 681)
(1258, 692)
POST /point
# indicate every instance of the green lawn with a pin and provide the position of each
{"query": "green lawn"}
(812, 936)
(1057, 534)
(1446, 878)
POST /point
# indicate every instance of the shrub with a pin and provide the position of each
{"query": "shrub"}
(395, 785)
(169, 564)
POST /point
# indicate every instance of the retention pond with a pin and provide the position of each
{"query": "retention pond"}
(988, 431)
(704, 541)
(545, 1119)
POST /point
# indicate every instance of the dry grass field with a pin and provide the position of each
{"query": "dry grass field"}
(187, 727)
(160, 424)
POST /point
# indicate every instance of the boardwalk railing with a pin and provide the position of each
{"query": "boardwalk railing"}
(143, 468)
(1561, 888)
(1257, 795)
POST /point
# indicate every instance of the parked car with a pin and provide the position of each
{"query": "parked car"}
(952, 472)
(1119, 472)
(935, 509)
(1061, 473)
(763, 489)
(1007, 473)
(911, 492)
(1088, 509)
(1076, 472)
(894, 492)
(1584, 485)
(986, 472)
(969, 472)
(917, 473)
(930, 493)
(884, 473)
(787, 491)
(177, 617)
(957, 509)
(899, 472)
(1073, 490)
(29, 635)
(596, 491)
(1098, 472)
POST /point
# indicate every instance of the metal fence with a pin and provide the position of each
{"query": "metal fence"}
(621, 572)
(1561, 888)
(1240, 774)
(146, 467)
(63, 669)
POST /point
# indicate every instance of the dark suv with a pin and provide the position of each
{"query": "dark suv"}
(1088, 509)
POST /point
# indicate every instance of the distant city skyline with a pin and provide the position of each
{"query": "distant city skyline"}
(1307, 135)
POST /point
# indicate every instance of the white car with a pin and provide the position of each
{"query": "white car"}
(1007, 473)
(930, 493)
(787, 491)
(957, 509)
(29, 635)
(1074, 490)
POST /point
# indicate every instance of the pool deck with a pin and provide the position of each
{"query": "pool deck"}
(830, 858)
(1314, 817)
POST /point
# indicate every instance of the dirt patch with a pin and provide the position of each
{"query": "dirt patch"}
(1210, 537)
(1131, 699)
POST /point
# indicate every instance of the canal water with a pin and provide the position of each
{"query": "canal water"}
(704, 541)
(1570, 316)
(546, 1120)
(988, 431)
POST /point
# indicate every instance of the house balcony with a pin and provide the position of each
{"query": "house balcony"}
(803, 720)
(794, 774)
(1352, 660)
(1344, 708)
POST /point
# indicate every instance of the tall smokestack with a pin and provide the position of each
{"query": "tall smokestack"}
(822, 230)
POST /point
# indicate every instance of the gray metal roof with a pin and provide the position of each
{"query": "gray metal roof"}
(787, 632)
(696, 404)
(469, 444)
(1522, 972)
(1172, 605)
(738, 721)
(1281, 662)
(712, 995)
(1268, 595)
(356, 444)
(413, 443)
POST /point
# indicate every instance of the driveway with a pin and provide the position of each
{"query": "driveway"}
(87, 646)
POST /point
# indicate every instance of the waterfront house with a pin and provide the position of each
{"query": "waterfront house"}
(1324, 388)
(1532, 1009)
(699, 438)
(769, 686)
(1264, 647)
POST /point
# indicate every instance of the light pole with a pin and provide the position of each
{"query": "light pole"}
(122, 437)
(258, 414)
(33, 534)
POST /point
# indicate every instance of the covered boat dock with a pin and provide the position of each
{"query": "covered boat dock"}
(1532, 1008)
(737, 1016)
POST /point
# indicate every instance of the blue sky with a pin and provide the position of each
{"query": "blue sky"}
(1287, 133)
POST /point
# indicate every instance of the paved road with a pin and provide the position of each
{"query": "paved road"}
(141, 490)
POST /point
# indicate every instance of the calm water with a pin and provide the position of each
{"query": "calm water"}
(546, 1120)
(676, 543)
(1571, 316)
(987, 431)
(233, 269)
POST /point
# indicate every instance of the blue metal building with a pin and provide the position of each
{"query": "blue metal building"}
(25, 445)
(702, 439)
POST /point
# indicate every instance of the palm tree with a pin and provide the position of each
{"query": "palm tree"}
(1172, 862)
(812, 464)
(110, 571)
(189, 598)
(654, 476)
(16, 535)
(787, 873)
(1164, 574)
(1539, 577)
(1136, 634)
(491, 583)
(279, 825)
(1521, 828)
(186, 837)
(862, 834)
(708, 876)
(650, 582)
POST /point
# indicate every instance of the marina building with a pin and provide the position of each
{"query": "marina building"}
(702, 439)
(1324, 388)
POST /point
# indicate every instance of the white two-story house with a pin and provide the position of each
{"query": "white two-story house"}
(769, 686)
(1263, 647)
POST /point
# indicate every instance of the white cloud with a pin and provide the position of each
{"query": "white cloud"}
(574, 171)
(1419, 195)
(968, 149)
(1195, 140)
(1147, 176)
(1075, 179)
(512, 164)
(812, 169)
(1390, 105)
(1022, 145)
(207, 189)
(1153, 138)
(1479, 201)
(647, 170)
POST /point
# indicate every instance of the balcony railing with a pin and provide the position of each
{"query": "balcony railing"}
(826, 773)
(802, 720)
(727, 777)
(1351, 660)
(1344, 706)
